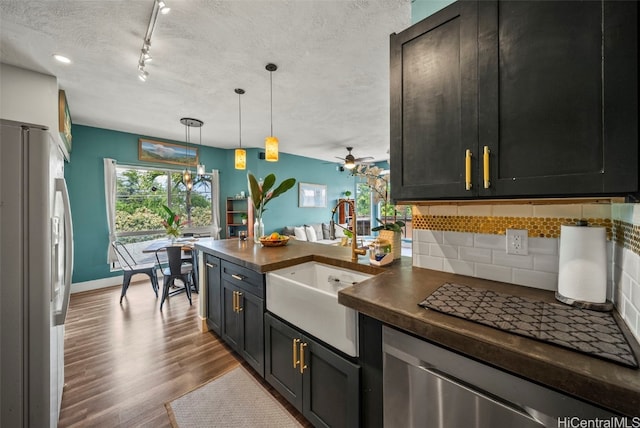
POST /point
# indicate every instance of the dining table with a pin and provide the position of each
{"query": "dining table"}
(188, 246)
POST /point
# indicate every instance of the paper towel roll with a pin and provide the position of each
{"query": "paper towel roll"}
(583, 263)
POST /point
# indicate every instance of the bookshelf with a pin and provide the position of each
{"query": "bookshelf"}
(235, 208)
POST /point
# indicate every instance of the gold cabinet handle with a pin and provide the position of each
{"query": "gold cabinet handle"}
(296, 361)
(211, 265)
(302, 364)
(235, 300)
(467, 170)
(485, 169)
(238, 277)
(240, 308)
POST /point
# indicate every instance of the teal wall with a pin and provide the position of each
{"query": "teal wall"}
(85, 180)
(420, 9)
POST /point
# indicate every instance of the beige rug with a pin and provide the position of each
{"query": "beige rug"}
(234, 399)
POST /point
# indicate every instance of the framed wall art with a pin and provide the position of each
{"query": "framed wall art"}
(64, 120)
(312, 195)
(158, 151)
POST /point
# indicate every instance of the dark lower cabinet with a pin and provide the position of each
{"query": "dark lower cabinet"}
(243, 313)
(320, 383)
(214, 302)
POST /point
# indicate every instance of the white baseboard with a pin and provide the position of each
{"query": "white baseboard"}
(96, 284)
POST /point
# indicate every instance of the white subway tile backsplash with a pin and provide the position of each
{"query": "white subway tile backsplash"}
(495, 273)
(422, 235)
(635, 294)
(544, 263)
(428, 262)
(420, 247)
(443, 210)
(501, 258)
(512, 211)
(441, 250)
(480, 255)
(458, 238)
(624, 212)
(474, 210)
(532, 278)
(560, 210)
(631, 315)
(596, 211)
(631, 263)
(544, 246)
(459, 267)
(494, 242)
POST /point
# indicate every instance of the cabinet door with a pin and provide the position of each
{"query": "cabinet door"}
(281, 355)
(251, 317)
(230, 319)
(434, 104)
(214, 306)
(331, 387)
(558, 97)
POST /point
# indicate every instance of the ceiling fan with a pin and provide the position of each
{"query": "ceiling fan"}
(350, 161)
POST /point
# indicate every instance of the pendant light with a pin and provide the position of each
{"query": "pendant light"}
(241, 154)
(188, 123)
(271, 142)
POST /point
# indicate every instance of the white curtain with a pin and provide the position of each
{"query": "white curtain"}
(110, 202)
(215, 204)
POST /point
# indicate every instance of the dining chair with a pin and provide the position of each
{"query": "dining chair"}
(131, 267)
(175, 270)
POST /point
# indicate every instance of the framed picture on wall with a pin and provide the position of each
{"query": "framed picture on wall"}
(64, 120)
(158, 151)
(312, 195)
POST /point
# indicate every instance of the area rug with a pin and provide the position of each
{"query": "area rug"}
(234, 399)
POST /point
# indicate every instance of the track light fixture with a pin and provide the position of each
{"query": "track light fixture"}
(159, 6)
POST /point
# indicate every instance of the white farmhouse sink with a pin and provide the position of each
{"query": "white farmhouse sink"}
(306, 295)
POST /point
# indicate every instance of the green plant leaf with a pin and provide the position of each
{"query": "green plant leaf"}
(254, 188)
(283, 187)
(268, 183)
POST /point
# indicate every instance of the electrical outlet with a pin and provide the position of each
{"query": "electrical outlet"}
(517, 242)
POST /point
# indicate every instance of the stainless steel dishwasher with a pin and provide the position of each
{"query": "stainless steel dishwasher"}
(425, 385)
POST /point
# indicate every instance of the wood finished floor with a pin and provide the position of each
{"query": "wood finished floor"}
(124, 362)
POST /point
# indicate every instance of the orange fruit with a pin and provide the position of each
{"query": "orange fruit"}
(274, 236)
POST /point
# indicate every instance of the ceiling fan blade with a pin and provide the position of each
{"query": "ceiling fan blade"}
(363, 159)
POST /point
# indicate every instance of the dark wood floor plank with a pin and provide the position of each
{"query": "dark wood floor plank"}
(123, 362)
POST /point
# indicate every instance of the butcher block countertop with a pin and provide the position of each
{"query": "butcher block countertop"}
(393, 294)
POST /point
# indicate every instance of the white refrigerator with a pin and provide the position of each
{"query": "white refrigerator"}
(36, 262)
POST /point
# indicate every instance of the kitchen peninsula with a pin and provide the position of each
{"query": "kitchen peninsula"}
(392, 295)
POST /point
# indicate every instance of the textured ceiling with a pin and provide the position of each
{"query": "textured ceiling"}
(331, 89)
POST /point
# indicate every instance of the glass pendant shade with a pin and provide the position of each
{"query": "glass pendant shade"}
(186, 176)
(241, 159)
(200, 170)
(271, 149)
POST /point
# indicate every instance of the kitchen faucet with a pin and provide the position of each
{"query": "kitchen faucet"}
(352, 208)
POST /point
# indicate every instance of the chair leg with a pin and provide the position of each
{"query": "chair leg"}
(125, 285)
(165, 291)
(154, 282)
(187, 287)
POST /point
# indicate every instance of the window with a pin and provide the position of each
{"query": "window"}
(140, 195)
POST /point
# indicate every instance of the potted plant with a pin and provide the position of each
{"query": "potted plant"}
(347, 193)
(244, 217)
(379, 185)
(261, 193)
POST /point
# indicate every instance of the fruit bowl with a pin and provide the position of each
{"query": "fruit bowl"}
(267, 241)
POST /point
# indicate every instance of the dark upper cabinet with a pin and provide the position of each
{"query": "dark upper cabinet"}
(433, 103)
(546, 104)
(212, 279)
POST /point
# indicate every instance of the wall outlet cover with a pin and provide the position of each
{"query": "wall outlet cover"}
(518, 241)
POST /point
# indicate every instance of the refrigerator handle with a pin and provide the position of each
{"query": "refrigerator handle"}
(61, 186)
